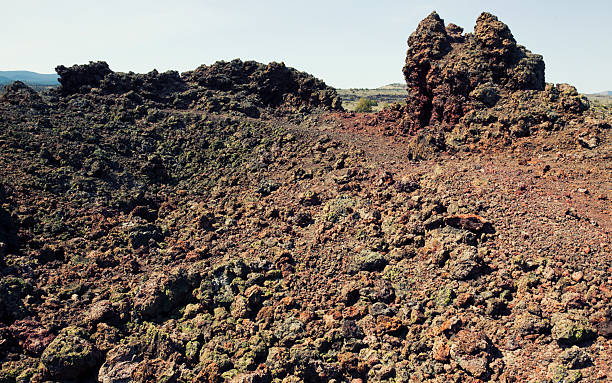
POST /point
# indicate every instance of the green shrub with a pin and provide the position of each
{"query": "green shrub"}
(365, 105)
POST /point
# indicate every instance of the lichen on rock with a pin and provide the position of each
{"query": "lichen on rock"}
(70, 356)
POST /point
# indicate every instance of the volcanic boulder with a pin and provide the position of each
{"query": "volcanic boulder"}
(18, 93)
(70, 356)
(270, 85)
(480, 89)
(153, 85)
(81, 78)
(447, 72)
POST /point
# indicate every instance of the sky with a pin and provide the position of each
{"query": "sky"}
(348, 44)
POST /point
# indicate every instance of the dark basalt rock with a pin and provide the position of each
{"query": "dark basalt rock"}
(81, 78)
(71, 356)
(247, 85)
(152, 230)
(272, 85)
(153, 85)
(479, 87)
(13, 291)
(161, 294)
(447, 72)
(18, 93)
(8, 232)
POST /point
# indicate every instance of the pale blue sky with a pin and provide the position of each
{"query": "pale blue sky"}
(345, 43)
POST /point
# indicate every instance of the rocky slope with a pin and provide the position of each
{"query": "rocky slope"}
(233, 224)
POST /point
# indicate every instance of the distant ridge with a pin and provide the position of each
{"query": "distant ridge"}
(605, 93)
(30, 78)
(395, 85)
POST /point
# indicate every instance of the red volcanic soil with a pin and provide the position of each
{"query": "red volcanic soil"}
(233, 224)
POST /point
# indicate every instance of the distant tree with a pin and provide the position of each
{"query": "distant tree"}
(365, 105)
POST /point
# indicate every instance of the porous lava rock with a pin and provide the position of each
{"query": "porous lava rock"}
(18, 93)
(273, 84)
(248, 85)
(478, 87)
(70, 356)
(447, 71)
(471, 351)
(80, 78)
(153, 230)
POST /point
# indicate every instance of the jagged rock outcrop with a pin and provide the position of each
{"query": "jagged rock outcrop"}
(447, 72)
(18, 93)
(151, 86)
(480, 85)
(152, 230)
(81, 78)
(272, 85)
(248, 85)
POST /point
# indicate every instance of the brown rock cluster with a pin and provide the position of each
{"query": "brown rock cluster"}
(251, 86)
(481, 87)
(447, 72)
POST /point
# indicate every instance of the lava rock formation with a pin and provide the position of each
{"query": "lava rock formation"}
(448, 72)
(250, 85)
(479, 88)
(153, 229)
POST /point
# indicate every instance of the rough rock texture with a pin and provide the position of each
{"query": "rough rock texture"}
(12, 291)
(152, 229)
(250, 85)
(271, 85)
(160, 294)
(479, 87)
(18, 93)
(32, 336)
(448, 72)
(70, 356)
(471, 351)
(570, 329)
(81, 78)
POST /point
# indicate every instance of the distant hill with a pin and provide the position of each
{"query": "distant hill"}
(397, 93)
(395, 85)
(30, 78)
(601, 98)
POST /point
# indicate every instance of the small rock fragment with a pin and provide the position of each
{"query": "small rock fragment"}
(570, 329)
(471, 222)
(470, 350)
(70, 356)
